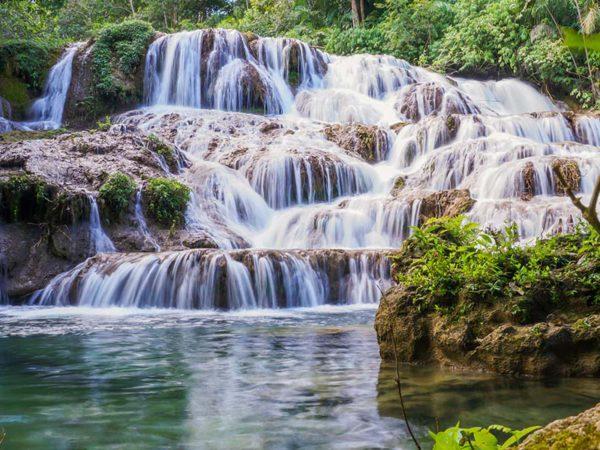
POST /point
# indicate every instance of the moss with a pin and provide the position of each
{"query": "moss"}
(118, 54)
(166, 201)
(116, 194)
(24, 198)
(19, 136)
(585, 439)
(15, 91)
(164, 151)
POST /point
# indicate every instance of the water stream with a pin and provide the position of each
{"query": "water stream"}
(309, 378)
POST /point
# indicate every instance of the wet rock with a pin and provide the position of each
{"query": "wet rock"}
(369, 142)
(485, 339)
(399, 184)
(581, 432)
(419, 100)
(529, 177)
(571, 174)
(5, 109)
(446, 204)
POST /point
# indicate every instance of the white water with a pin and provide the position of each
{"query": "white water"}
(46, 113)
(99, 241)
(276, 182)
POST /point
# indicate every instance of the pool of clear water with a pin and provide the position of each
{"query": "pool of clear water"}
(118, 378)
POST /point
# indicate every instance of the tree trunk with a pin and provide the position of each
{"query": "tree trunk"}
(355, 13)
(362, 12)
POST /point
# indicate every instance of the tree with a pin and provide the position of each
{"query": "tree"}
(588, 212)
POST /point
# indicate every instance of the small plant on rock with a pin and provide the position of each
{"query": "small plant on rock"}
(166, 201)
(116, 193)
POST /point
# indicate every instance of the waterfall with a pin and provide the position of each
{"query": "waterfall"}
(99, 241)
(141, 221)
(47, 111)
(307, 169)
(216, 279)
(219, 69)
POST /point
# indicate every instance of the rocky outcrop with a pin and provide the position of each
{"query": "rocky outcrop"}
(581, 432)
(486, 339)
(85, 105)
(419, 100)
(368, 142)
(571, 174)
(45, 189)
(445, 204)
(5, 109)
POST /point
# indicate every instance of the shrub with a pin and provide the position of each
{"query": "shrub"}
(116, 194)
(166, 201)
(28, 60)
(446, 263)
(121, 47)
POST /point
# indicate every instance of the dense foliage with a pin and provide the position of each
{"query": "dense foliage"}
(166, 201)
(121, 47)
(447, 265)
(482, 37)
(116, 194)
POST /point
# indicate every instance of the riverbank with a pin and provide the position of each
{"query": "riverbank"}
(470, 299)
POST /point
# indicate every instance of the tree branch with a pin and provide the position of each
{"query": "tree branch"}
(399, 386)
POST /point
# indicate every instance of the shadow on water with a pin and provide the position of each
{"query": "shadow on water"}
(443, 397)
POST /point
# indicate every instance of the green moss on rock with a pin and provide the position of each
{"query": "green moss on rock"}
(166, 201)
(116, 194)
(118, 54)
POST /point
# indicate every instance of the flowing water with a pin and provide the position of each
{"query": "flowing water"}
(46, 113)
(308, 378)
(239, 345)
(290, 188)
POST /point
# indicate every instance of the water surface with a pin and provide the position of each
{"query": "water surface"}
(85, 378)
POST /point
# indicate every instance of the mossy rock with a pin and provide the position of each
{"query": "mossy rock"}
(165, 201)
(15, 92)
(30, 199)
(20, 135)
(116, 194)
(167, 153)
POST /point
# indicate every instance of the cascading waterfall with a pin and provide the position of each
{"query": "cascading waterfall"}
(216, 279)
(303, 217)
(46, 113)
(141, 221)
(99, 241)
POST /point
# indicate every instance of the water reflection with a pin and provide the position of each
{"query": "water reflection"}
(299, 379)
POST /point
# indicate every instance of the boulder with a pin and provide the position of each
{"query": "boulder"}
(419, 100)
(581, 432)
(446, 204)
(368, 142)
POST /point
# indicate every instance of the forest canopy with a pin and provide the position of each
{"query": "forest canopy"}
(485, 38)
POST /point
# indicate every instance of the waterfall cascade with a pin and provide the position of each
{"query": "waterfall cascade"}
(352, 151)
(47, 111)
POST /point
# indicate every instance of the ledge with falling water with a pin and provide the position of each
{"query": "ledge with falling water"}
(222, 280)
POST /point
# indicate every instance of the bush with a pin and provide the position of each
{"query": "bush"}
(116, 194)
(28, 61)
(446, 263)
(120, 47)
(166, 201)
(357, 40)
